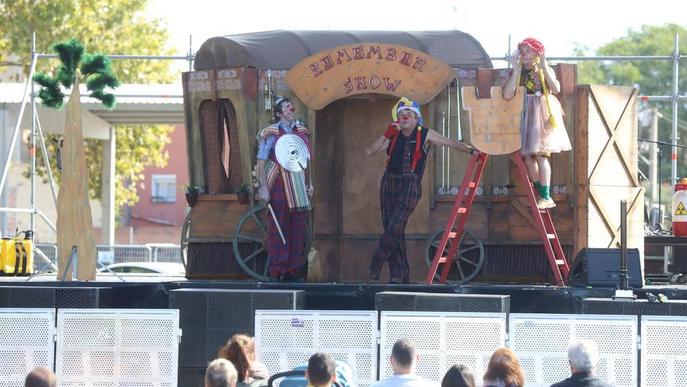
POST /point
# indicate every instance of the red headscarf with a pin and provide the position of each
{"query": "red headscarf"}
(532, 43)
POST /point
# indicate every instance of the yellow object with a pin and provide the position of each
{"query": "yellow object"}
(394, 110)
(681, 210)
(16, 256)
(552, 119)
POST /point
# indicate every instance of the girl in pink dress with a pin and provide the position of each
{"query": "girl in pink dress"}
(542, 127)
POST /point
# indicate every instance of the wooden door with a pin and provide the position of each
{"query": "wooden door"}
(221, 153)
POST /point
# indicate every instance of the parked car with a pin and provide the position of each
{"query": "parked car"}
(153, 268)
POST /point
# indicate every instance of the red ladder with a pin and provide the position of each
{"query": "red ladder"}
(459, 213)
(544, 225)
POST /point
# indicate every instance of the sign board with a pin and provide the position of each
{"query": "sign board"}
(368, 68)
(494, 122)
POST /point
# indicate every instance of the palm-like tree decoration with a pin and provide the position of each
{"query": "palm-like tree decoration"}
(95, 69)
(74, 219)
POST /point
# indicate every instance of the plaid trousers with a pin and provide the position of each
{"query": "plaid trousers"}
(285, 258)
(399, 195)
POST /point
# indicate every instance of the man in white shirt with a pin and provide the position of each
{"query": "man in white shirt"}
(403, 361)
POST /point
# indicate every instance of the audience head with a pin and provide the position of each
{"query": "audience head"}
(220, 373)
(321, 369)
(240, 351)
(403, 356)
(583, 356)
(40, 377)
(504, 367)
(458, 376)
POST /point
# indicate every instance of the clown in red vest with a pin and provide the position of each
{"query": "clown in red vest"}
(406, 143)
(287, 193)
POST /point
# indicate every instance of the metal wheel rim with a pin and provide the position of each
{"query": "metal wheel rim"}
(476, 265)
(185, 232)
(259, 252)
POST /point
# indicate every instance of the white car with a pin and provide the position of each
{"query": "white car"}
(153, 268)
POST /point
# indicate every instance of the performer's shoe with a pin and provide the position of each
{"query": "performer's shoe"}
(544, 204)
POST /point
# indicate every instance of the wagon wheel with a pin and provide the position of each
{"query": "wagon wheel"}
(250, 237)
(185, 233)
(469, 257)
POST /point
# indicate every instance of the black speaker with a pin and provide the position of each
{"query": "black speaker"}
(55, 297)
(634, 307)
(209, 317)
(191, 376)
(441, 302)
(601, 268)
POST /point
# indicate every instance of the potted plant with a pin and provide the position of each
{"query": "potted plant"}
(242, 193)
(191, 191)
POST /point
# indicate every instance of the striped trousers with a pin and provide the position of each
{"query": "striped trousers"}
(398, 196)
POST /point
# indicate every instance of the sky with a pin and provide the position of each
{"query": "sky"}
(560, 25)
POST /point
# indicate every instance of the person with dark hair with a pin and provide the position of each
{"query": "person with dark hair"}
(321, 370)
(287, 193)
(458, 376)
(504, 370)
(583, 355)
(240, 350)
(403, 362)
(406, 143)
(220, 373)
(40, 377)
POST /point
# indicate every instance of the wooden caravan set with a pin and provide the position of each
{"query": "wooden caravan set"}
(344, 85)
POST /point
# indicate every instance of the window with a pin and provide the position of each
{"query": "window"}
(164, 188)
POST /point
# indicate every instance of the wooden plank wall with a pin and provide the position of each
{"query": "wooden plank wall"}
(606, 161)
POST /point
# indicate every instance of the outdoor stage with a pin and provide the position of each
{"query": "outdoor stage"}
(143, 291)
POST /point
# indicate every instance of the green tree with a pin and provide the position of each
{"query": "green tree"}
(109, 27)
(653, 77)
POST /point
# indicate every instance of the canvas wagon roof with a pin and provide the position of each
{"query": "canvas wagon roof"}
(281, 50)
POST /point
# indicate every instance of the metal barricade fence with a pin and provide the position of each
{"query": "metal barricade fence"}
(287, 338)
(541, 343)
(165, 252)
(26, 341)
(109, 254)
(443, 339)
(664, 351)
(123, 347)
(50, 252)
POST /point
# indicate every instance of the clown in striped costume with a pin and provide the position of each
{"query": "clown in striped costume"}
(406, 143)
(287, 193)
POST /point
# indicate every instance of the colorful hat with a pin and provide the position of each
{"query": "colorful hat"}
(406, 104)
(532, 43)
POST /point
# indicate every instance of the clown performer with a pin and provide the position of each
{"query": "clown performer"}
(542, 127)
(286, 192)
(406, 143)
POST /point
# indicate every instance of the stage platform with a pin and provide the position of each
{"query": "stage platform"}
(149, 291)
